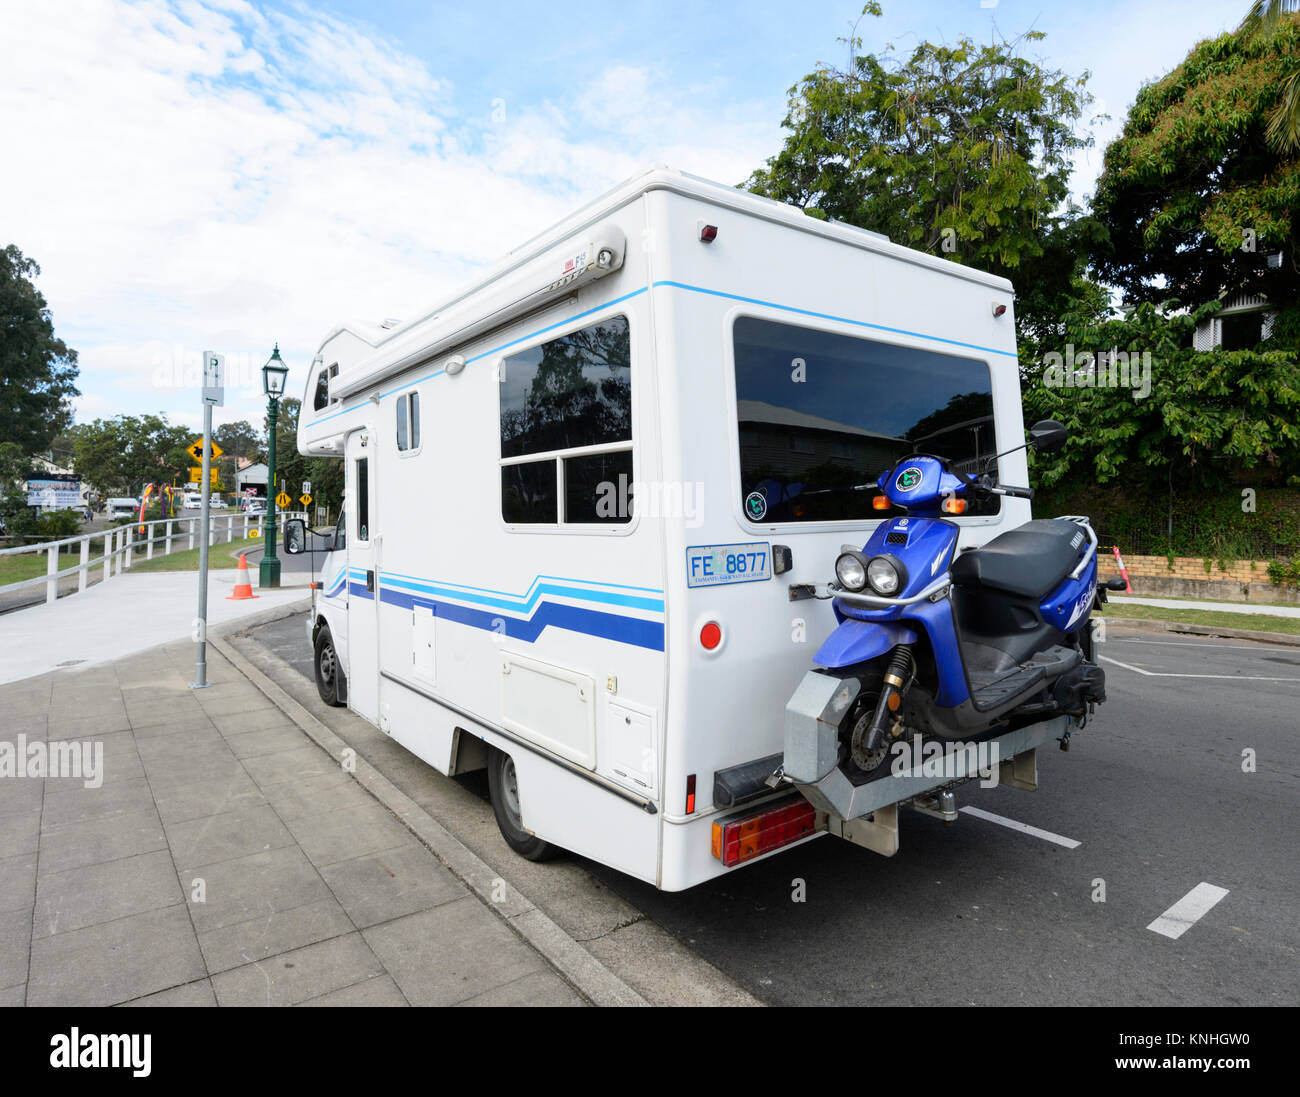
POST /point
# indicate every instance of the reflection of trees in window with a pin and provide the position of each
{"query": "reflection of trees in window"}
(579, 395)
(962, 430)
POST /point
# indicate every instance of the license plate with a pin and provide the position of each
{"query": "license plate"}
(716, 565)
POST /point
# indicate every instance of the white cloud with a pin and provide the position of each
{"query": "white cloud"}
(205, 173)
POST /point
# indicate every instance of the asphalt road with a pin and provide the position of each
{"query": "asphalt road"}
(1153, 792)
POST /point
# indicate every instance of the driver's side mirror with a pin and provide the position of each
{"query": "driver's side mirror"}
(1047, 435)
(295, 536)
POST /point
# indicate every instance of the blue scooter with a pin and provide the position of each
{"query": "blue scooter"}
(959, 646)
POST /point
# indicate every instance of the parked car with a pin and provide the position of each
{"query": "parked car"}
(255, 506)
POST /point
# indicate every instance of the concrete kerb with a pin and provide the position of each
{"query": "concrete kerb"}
(1156, 625)
(567, 955)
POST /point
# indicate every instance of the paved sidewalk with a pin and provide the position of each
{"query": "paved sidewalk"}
(129, 613)
(226, 860)
(1217, 607)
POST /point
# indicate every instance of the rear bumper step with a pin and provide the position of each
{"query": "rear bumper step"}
(747, 781)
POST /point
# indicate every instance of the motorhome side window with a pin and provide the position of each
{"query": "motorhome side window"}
(566, 429)
(408, 421)
(322, 399)
(819, 413)
(363, 499)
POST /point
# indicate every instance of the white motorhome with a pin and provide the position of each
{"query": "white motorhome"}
(579, 494)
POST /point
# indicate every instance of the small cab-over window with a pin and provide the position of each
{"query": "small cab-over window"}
(566, 429)
(322, 399)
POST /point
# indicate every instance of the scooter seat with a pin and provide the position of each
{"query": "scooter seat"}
(1030, 560)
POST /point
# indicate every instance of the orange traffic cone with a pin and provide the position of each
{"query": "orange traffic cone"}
(243, 588)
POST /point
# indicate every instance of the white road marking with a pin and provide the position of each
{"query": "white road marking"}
(1244, 645)
(1024, 828)
(1171, 674)
(1189, 910)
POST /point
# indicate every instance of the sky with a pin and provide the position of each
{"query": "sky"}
(230, 174)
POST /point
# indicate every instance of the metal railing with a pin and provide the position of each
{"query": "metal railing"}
(120, 544)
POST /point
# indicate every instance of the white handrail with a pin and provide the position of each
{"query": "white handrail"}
(119, 544)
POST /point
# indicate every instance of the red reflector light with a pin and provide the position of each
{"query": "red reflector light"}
(690, 795)
(710, 636)
(736, 841)
(708, 233)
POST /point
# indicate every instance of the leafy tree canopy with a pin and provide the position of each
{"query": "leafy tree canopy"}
(1194, 183)
(1206, 419)
(38, 372)
(960, 150)
(239, 440)
(119, 456)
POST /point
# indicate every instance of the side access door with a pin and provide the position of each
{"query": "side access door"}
(363, 575)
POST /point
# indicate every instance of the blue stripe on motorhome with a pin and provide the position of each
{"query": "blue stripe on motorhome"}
(608, 626)
(525, 605)
(667, 284)
(829, 316)
(488, 353)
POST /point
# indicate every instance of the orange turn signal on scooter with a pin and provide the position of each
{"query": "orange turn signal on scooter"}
(954, 506)
(880, 502)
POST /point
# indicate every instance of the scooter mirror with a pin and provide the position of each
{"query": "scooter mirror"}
(1047, 435)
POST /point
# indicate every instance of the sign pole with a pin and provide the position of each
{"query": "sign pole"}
(212, 395)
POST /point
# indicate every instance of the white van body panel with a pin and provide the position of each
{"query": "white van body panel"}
(576, 649)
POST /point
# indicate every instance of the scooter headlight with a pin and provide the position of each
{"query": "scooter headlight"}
(851, 570)
(885, 574)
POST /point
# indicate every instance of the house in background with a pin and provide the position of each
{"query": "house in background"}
(250, 477)
(1244, 320)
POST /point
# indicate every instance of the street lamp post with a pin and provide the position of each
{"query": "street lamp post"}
(273, 375)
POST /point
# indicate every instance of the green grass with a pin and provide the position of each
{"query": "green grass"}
(16, 568)
(220, 555)
(1198, 598)
(1254, 622)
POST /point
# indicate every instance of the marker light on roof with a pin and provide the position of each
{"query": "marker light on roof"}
(708, 233)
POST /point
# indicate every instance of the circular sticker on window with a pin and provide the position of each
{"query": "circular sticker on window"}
(908, 478)
(756, 506)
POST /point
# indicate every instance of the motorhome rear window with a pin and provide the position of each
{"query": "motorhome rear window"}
(820, 413)
(566, 429)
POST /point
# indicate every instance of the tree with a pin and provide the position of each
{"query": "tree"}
(962, 151)
(239, 440)
(1193, 196)
(122, 454)
(15, 468)
(1205, 418)
(38, 372)
(1262, 21)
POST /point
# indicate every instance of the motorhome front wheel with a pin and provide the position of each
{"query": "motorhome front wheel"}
(328, 671)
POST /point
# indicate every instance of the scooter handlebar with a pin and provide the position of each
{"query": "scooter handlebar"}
(1017, 493)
